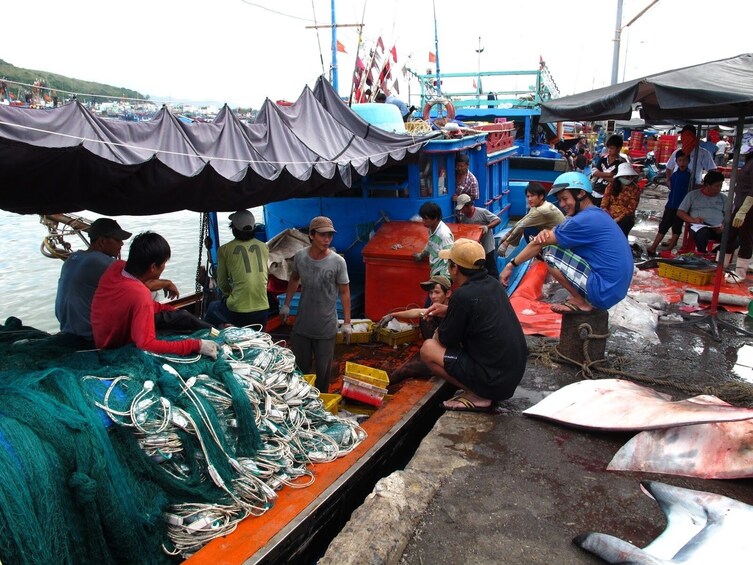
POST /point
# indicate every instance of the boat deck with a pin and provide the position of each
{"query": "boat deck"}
(302, 521)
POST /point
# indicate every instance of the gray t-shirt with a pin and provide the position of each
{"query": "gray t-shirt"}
(320, 280)
(710, 208)
(484, 217)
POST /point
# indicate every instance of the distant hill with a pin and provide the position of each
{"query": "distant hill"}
(62, 84)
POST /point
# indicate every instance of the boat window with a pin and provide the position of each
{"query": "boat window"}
(390, 182)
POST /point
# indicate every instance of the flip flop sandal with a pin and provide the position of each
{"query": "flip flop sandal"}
(466, 406)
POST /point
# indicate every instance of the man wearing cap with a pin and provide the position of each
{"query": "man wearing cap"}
(123, 310)
(439, 291)
(479, 346)
(242, 276)
(80, 275)
(322, 275)
(700, 159)
(587, 253)
(470, 214)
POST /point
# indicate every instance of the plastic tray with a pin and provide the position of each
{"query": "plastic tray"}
(397, 338)
(369, 375)
(331, 402)
(692, 276)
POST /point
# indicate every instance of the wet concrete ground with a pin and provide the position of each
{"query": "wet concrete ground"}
(510, 489)
(530, 486)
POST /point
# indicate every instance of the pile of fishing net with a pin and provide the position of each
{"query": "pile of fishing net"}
(123, 457)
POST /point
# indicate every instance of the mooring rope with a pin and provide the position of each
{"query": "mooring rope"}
(547, 353)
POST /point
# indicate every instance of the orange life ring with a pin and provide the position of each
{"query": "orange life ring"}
(444, 102)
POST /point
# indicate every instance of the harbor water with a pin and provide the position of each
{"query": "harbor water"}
(29, 279)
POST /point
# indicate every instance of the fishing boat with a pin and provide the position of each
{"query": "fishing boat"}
(369, 181)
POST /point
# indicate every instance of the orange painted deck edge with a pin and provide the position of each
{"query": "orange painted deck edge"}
(255, 532)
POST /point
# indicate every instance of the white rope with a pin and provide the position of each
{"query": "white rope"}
(153, 152)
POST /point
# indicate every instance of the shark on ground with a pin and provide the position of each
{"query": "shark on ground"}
(702, 528)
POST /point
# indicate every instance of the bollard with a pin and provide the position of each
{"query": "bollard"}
(579, 327)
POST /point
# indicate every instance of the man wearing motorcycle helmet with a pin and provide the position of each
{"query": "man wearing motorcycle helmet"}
(587, 253)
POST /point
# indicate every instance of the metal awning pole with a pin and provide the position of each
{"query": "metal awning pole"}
(727, 217)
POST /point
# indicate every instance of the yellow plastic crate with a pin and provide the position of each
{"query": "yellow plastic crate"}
(358, 337)
(369, 375)
(310, 379)
(393, 338)
(331, 402)
(696, 277)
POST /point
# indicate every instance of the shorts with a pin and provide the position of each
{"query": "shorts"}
(460, 366)
(572, 267)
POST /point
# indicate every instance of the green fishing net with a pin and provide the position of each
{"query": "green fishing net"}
(121, 456)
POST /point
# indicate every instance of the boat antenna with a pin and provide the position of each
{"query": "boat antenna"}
(318, 39)
(436, 47)
(353, 86)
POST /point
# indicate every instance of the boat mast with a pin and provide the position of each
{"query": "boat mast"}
(333, 71)
(436, 48)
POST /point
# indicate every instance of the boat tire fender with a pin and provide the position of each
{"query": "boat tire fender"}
(444, 102)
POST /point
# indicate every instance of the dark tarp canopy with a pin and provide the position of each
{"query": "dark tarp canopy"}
(710, 91)
(705, 93)
(67, 159)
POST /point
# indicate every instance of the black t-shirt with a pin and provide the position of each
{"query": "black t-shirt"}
(481, 321)
(600, 185)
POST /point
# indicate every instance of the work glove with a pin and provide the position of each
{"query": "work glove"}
(484, 229)
(208, 348)
(346, 329)
(284, 314)
(742, 212)
(502, 248)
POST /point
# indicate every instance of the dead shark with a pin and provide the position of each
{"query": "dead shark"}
(702, 528)
(620, 405)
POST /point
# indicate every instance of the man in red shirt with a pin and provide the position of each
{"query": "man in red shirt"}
(123, 310)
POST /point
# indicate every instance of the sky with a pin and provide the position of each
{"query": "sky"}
(243, 51)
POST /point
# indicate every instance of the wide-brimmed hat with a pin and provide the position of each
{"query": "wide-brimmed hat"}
(243, 220)
(626, 170)
(322, 224)
(464, 252)
(463, 199)
(107, 227)
(441, 280)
